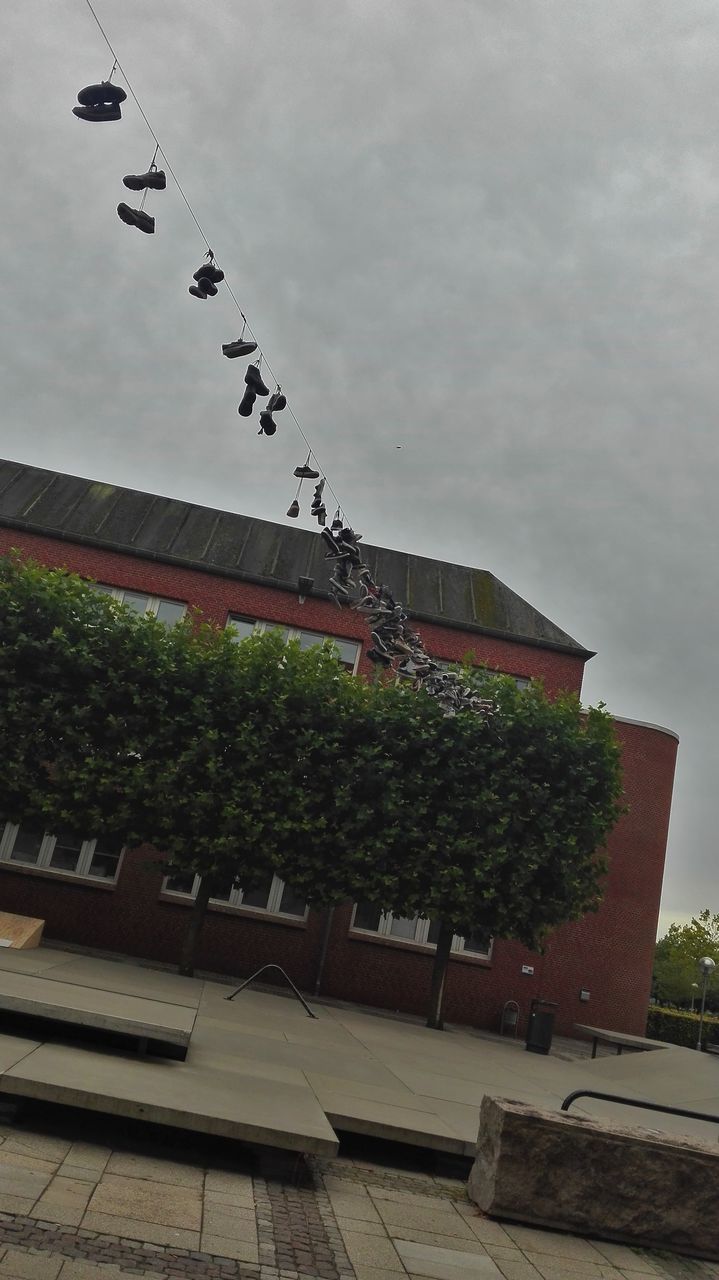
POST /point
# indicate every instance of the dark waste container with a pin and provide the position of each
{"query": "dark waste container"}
(540, 1026)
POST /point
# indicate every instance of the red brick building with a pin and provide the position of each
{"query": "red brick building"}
(161, 556)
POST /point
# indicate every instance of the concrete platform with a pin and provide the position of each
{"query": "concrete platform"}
(258, 1069)
(151, 1022)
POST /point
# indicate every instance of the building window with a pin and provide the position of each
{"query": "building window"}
(167, 611)
(368, 918)
(348, 650)
(273, 896)
(25, 846)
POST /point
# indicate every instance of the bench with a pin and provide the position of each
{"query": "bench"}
(592, 1178)
(635, 1044)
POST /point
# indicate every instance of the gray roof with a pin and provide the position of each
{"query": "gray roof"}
(221, 542)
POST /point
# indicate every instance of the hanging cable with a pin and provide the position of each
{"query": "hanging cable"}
(159, 148)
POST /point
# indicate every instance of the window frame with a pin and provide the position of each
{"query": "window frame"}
(82, 871)
(422, 927)
(277, 889)
(261, 625)
(153, 602)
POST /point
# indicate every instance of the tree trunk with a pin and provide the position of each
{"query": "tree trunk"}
(329, 916)
(197, 919)
(439, 973)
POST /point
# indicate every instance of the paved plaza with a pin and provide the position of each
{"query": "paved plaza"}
(97, 1192)
(74, 1209)
(260, 1070)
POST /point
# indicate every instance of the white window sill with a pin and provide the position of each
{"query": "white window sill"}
(422, 948)
(52, 873)
(228, 909)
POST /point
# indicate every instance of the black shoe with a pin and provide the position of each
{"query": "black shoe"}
(293, 510)
(209, 288)
(320, 514)
(137, 218)
(337, 526)
(276, 402)
(330, 542)
(153, 180)
(98, 113)
(196, 291)
(104, 94)
(241, 347)
(305, 472)
(247, 401)
(374, 655)
(379, 642)
(267, 424)
(338, 585)
(208, 271)
(253, 378)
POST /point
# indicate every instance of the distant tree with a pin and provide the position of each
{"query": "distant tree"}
(676, 957)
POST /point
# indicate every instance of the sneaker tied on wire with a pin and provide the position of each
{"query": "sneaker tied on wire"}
(207, 277)
(275, 404)
(255, 387)
(136, 218)
(153, 180)
(100, 102)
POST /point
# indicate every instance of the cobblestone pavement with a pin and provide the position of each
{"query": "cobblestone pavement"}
(114, 1207)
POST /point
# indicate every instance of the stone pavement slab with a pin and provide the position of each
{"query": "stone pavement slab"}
(446, 1264)
(175, 1094)
(38, 996)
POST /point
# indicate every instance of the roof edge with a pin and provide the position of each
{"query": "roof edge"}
(242, 575)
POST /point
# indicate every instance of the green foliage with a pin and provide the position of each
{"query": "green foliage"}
(239, 760)
(678, 1027)
(504, 817)
(676, 957)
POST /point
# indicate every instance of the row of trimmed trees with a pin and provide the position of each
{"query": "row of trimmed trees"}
(241, 760)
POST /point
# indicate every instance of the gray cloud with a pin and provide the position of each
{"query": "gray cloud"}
(482, 231)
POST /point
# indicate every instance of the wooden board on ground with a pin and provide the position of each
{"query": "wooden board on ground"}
(20, 932)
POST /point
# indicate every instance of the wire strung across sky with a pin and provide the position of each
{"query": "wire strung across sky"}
(159, 149)
(396, 646)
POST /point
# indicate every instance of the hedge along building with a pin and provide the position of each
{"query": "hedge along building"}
(163, 556)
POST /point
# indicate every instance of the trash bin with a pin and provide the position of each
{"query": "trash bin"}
(540, 1025)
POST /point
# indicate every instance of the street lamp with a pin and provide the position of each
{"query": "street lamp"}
(706, 968)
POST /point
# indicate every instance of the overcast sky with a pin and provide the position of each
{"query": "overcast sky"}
(483, 231)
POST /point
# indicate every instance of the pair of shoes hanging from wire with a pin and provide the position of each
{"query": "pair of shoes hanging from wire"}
(101, 101)
(207, 277)
(153, 180)
(318, 508)
(303, 472)
(255, 386)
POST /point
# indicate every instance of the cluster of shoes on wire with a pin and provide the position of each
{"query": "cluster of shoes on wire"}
(395, 643)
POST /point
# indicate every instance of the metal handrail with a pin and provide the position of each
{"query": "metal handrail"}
(636, 1102)
(287, 978)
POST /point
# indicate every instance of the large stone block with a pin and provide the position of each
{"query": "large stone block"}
(570, 1173)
